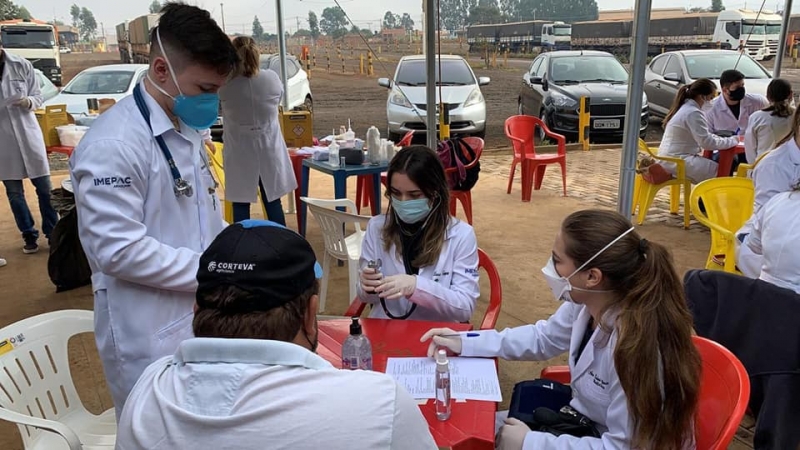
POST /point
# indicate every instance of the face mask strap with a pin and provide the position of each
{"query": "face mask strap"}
(600, 252)
(169, 65)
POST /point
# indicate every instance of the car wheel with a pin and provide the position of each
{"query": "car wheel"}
(540, 130)
(520, 108)
(308, 104)
(395, 137)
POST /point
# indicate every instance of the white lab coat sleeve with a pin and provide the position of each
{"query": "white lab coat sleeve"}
(751, 139)
(620, 429)
(371, 249)
(457, 300)
(34, 91)
(409, 430)
(698, 125)
(113, 232)
(544, 340)
(753, 240)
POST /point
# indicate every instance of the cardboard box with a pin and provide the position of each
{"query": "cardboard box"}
(50, 118)
(297, 128)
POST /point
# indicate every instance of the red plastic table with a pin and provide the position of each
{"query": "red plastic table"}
(60, 149)
(297, 168)
(726, 159)
(471, 425)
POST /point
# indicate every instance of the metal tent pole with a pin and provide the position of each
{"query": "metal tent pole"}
(282, 53)
(633, 115)
(430, 63)
(787, 14)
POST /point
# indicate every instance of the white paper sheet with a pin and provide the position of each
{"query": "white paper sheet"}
(470, 378)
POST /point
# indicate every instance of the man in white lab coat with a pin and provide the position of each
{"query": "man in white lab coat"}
(22, 154)
(145, 197)
(251, 379)
(731, 110)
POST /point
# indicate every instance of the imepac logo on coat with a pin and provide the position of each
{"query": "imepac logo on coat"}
(115, 182)
(228, 267)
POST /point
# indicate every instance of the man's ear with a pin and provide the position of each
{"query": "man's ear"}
(311, 312)
(160, 69)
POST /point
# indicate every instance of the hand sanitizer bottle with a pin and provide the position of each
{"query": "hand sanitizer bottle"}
(333, 154)
(350, 136)
(442, 400)
(356, 349)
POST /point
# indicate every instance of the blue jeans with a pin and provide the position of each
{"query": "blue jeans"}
(22, 214)
(241, 211)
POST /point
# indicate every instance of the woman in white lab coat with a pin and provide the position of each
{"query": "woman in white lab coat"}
(623, 307)
(686, 131)
(428, 259)
(776, 237)
(254, 155)
(768, 126)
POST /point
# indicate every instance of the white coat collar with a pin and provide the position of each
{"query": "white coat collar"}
(600, 339)
(159, 121)
(247, 351)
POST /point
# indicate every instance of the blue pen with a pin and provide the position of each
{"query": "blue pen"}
(460, 335)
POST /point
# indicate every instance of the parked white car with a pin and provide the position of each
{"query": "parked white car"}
(299, 87)
(49, 90)
(114, 81)
(406, 106)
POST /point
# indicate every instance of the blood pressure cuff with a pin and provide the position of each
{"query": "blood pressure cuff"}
(544, 406)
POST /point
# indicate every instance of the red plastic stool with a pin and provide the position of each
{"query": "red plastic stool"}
(465, 197)
(364, 191)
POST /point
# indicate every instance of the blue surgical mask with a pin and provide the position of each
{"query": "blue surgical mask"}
(198, 111)
(411, 211)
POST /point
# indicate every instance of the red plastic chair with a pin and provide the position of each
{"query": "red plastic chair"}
(465, 197)
(521, 131)
(724, 393)
(364, 182)
(495, 294)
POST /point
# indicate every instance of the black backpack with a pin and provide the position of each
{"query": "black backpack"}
(67, 265)
(456, 153)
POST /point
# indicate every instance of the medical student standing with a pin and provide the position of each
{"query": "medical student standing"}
(623, 307)
(686, 131)
(777, 172)
(732, 110)
(145, 196)
(771, 124)
(22, 154)
(429, 259)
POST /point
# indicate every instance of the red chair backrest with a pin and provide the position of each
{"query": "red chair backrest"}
(724, 393)
(407, 138)
(521, 130)
(476, 144)
(495, 294)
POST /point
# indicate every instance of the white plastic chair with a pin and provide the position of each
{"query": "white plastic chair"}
(338, 246)
(36, 388)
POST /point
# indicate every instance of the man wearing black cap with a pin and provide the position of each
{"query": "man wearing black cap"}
(250, 378)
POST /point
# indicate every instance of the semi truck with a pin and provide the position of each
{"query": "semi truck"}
(754, 33)
(35, 41)
(519, 37)
(133, 38)
(124, 43)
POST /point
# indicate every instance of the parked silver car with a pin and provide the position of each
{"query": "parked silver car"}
(667, 72)
(406, 105)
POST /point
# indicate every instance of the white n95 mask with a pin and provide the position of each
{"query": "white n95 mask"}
(560, 286)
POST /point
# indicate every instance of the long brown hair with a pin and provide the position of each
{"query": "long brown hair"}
(779, 94)
(795, 127)
(247, 51)
(700, 87)
(652, 322)
(423, 167)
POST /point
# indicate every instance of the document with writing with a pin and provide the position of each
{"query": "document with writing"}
(470, 378)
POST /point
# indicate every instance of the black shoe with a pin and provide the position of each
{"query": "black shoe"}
(30, 247)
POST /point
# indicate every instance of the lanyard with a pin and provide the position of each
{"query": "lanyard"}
(182, 187)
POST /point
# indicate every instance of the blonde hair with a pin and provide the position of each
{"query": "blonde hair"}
(247, 51)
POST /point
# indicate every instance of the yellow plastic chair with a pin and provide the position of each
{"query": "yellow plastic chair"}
(745, 170)
(644, 192)
(728, 203)
(215, 159)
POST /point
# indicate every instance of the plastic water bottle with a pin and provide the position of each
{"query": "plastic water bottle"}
(333, 154)
(349, 136)
(374, 146)
(356, 350)
(442, 401)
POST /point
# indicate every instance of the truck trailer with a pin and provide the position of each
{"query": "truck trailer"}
(519, 37)
(124, 43)
(139, 37)
(35, 41)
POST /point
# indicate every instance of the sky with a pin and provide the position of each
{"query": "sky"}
(365, 13)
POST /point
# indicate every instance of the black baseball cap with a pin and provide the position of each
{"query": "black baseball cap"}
(262, 258)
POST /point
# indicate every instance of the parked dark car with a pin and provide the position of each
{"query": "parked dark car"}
(667, 72)
(555, 82)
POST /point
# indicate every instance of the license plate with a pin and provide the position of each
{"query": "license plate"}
(605, 124)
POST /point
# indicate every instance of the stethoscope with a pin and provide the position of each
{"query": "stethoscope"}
(181, 186)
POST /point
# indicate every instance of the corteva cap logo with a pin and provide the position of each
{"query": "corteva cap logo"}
(226, 267)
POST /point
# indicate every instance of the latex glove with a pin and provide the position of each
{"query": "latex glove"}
(24, 103)
(442, 337)
(396, 286)
(512, 435)
(370, 279)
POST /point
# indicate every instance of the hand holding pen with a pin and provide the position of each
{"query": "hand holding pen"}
(445, 337)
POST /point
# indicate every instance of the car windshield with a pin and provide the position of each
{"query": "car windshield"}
(712, 65)
(562, 30)
(456, 73)
(27, 38)
(100, 82)
(587, 69)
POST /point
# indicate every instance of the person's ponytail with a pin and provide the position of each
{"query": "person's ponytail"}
(655, 328)
(795, 126)
(680, 99)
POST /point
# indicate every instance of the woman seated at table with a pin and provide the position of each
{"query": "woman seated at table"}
(429, 260)
(769, 125)
(623, 307)
(686, 132)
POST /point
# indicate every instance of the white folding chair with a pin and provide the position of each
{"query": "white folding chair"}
(338, 246)
(36, 388)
